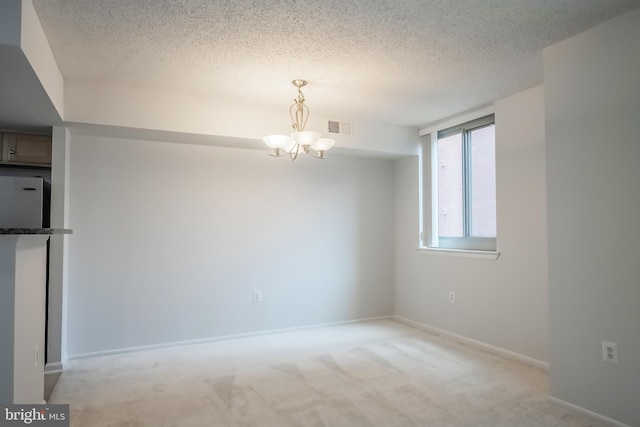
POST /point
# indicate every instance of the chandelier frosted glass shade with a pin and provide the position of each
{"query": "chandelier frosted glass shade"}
(279, 142)
(306, 138)
(301, 141)
(323, 144)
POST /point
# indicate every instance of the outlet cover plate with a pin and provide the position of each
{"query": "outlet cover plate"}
(257, 296)
(610, 351)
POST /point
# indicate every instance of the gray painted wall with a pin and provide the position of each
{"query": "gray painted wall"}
(592, 94)
(504, 302)
(170, 240)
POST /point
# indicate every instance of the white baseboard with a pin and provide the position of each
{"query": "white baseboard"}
(218, 338)
(586, 412)
(473, 343)
(53, 368)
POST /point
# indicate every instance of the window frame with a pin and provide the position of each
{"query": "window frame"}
(430, 241)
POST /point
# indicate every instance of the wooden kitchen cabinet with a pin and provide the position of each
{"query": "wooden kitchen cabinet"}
(26, 149)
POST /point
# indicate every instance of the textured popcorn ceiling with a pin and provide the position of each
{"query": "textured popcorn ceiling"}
(408, 62)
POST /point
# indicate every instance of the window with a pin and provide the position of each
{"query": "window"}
(463, 186)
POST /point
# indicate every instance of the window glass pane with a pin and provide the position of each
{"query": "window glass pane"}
(450, 206)
(483, 182)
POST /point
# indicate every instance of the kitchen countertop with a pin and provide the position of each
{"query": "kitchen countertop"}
(35, 231)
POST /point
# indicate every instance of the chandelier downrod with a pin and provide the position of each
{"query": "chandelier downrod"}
(299, 112)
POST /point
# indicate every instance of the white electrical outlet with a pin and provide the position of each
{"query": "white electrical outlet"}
(257, 296)
(452, 297)
(610, 352)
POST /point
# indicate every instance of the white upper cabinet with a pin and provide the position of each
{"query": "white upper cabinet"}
(26, 149)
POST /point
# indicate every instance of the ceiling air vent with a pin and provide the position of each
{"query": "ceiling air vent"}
(343, 128)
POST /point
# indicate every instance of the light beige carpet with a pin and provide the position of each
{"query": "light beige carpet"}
(378, 373)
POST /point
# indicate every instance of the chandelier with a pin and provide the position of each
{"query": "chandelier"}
(300, 141)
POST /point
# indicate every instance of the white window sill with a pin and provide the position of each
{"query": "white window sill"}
(460, 253)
